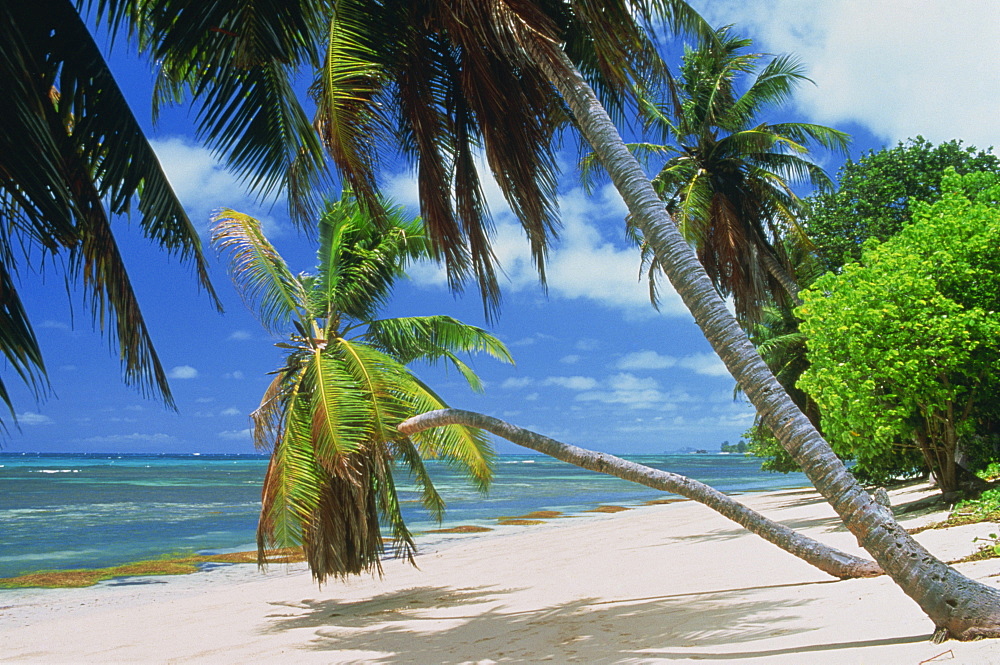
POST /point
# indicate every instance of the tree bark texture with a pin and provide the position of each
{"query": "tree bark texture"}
(828, 559)
(959, 607)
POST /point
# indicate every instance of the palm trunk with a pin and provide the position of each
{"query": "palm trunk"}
(959, 607)
(828, 559)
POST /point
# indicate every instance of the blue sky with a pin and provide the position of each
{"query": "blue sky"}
(596, 365)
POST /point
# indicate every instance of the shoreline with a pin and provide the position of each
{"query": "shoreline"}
(661, 583)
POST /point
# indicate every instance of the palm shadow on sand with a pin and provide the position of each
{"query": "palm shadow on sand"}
(444, 625)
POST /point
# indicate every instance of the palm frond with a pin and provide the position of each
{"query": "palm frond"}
(407, 452)
(340, 411)
(465, 448)
(382, 381)
(359, 259)
(235, 58)
(260, 275)
(430, 338)
(348, 117)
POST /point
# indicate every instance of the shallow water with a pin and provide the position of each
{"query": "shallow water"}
(85, 511)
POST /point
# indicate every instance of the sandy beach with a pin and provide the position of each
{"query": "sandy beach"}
(667, 583)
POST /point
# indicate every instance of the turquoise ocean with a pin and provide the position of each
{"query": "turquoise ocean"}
(96, 510)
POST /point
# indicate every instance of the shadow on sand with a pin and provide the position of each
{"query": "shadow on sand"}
(445, 625)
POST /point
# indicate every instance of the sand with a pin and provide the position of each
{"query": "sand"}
(665, 583)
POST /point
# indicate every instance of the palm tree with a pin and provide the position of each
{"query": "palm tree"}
(727, 180)
(329, 416)
(72, 157)
(445, 77)
(543, 50)
(828, 559)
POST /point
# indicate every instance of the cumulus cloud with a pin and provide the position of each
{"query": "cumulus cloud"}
(571, 382)
(583, 263)
(31, 418)
(516, 382)
(239, 336)
(183, 372)
(203, 184)
(629, 391)
(899, 69)
(645, 360)
(231, 411)
(571, 359)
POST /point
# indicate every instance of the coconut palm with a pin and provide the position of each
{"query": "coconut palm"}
(329, 416)
(72, 158)
(727, 180)
(445, 77)
(542, 49)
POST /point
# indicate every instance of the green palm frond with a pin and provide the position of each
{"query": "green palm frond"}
(359, 262)
(293, 483)
(72, 155)
(340, 411)
(261, 276)
(465, 447)
(236, 59)
(383, 382)
(405, 450)
(348, 117)
(430, 338)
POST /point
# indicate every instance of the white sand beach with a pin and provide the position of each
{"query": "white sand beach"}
(657, 584)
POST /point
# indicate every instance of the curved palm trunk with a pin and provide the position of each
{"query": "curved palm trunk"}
(828, 559)
(959, 607)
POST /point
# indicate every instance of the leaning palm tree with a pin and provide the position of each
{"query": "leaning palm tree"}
(72, 159)
(728, 175)
(547, 52)
(329, 416)
(446, 77)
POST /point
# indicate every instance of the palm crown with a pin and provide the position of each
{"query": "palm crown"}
(727, 180)
(330, 414)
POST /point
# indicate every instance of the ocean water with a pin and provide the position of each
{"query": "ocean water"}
(97, 510)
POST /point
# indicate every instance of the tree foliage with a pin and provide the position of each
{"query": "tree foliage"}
(73, 160)
(329, 416)
(728, 174)
(876, 194)
(903, 346)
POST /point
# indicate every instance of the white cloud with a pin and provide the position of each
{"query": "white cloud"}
(203, 184)
(237, 375)
(571, 382)
(235, 435)
(898, 68)
(707, 364)
(583, 263)
(183, 372)
(54, 325)
(239, 336)
(634, 392)
(645, 360)
(31, 418)
(517, 382)
(231, 411)
(571, 359)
